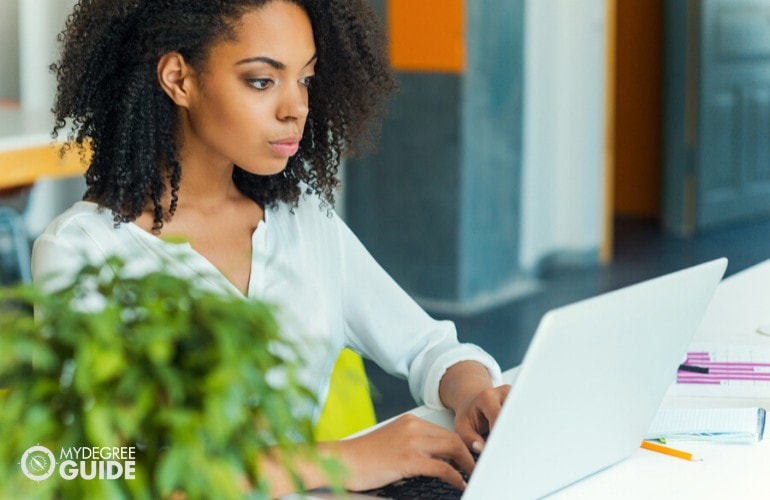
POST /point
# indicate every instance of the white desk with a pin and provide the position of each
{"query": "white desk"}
(740, 305)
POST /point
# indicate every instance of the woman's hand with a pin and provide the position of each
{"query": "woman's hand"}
(466, 388)
(406, 447)
(409, 446)
(476, 416)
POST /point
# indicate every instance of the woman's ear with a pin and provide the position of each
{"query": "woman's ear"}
(176, 78)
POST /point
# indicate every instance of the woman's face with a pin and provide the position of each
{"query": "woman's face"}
(251, 101)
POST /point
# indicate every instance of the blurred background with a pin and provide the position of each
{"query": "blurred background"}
(538, 152)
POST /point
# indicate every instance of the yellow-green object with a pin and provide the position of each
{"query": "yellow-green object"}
(349, 406)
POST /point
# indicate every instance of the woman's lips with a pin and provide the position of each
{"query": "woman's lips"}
(285, 147)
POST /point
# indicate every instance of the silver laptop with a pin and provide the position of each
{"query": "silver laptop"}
(591, 383)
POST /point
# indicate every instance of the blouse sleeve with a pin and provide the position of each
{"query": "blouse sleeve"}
(384, 324)
(58, 256)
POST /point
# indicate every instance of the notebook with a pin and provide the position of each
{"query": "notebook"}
(591, 383)
(725, 425)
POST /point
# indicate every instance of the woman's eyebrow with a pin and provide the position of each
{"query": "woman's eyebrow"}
(311, 61)
(262, 59)
(272, 62)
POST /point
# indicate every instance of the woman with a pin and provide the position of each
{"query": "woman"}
(223, 123)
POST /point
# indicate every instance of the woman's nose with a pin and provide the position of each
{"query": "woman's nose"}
(294, 103)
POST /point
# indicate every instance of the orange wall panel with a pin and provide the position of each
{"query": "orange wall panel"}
(427, 35)
(639, 98)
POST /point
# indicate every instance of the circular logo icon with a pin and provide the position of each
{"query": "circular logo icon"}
(38, 463)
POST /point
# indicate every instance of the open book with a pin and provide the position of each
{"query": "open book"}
(729, 425)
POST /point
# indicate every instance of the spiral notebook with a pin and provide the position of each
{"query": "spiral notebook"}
(727, 425)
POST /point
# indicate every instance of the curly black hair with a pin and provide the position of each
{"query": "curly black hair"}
(108, 90)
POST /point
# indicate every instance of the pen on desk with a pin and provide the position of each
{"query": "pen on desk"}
(647, 445)
(694, 369)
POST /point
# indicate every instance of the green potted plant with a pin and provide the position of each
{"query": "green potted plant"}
(143, 387)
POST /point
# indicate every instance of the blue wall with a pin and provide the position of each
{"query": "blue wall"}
(438, 203)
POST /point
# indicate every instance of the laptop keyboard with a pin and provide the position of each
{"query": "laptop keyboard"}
(420, 487)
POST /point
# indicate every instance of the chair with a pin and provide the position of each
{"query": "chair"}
(14, 248)
(349, 407)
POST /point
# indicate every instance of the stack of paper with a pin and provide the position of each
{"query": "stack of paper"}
(727, 371)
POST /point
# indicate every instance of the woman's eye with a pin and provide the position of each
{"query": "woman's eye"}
(307, 81)
(260, 83)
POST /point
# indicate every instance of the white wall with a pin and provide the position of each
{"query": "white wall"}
(40, 21)
(564, 120)
(9, 50)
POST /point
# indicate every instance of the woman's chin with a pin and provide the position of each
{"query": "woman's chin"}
(265, 169)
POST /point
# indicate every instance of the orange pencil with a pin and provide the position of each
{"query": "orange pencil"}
(647, 445)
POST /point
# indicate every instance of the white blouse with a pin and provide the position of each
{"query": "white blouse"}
(329, 291)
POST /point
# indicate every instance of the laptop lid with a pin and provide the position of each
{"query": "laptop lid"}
(590, 384)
